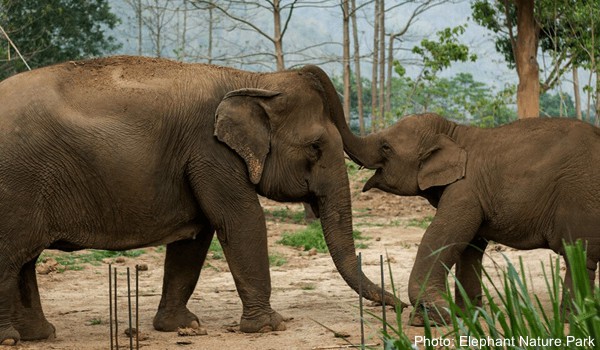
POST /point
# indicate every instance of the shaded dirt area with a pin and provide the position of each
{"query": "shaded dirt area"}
(306, 286)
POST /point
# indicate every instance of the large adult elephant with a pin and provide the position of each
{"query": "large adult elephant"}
(126, 152)
(530, 184)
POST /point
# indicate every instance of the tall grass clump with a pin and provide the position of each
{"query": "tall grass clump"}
(513, 317)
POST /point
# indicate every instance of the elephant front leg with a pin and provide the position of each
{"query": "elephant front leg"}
(245, 248)
(455, 225)
(183, 263)
(468, 273)
(28, 317)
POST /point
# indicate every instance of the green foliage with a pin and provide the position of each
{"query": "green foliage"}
(439, 55)
(422, 223)
(312, 237)
(277, 260)
(285, 215)
(556, 105)
(511, 311)
(52, 31)
(75, 261)
(215, 249)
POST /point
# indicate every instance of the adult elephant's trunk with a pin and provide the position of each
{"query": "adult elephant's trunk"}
(363, 150)
(335, 207)
(336, 219)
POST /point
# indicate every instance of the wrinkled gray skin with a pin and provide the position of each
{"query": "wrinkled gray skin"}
(126, 152)
(530, 184)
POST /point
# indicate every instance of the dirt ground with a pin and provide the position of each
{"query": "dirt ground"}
(306, 288)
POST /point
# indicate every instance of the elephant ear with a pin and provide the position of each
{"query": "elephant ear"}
(242, 122)
(442, 164)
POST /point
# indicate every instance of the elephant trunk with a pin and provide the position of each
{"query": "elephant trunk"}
(336, 220)
(362, 150)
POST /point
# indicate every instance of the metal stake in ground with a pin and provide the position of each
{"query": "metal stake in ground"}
(382, 296)
(110, 310)
(137, 309)
(129, 308)
(360, 302)
(116, 316)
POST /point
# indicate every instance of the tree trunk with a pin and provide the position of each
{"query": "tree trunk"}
(359, 90)
(390, 68)
(375, 68)
(277, 39)
(346, 58)
(381, 100)
(528, 91)
(576, 95)
(139, 20)
(597, 104)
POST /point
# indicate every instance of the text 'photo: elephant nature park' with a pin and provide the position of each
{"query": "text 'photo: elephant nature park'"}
(299, 174)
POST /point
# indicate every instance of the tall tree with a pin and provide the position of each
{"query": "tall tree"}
(277, 10)
(52, 31)
(346, 56)
(359, 90)
(525, 47)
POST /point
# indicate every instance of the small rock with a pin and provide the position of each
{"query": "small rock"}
(377, 239)
(120, 260)
(49, 265)
(312, 251)
(142, 267)
(133, 333)
(191, 332)
(183, 342)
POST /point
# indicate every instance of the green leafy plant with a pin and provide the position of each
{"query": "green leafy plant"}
(276, 259)
(285, 215)
(76, 261)
(513, 317)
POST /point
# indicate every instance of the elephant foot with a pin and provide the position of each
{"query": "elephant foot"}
(437, 314)
(262, 324)
(169, 320)
(32, 325)
(40, 330)
(9, 336)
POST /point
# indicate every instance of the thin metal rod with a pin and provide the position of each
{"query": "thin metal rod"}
(129, 308)
(110, 307)
(116, 315)
(383, 296)
(360, 302)
(137, 309)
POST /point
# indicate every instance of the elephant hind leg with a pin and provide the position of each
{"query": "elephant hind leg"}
(28, 317)
(183, 263)
(8, 289)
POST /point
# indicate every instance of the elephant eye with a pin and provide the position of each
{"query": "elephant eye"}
(385, 148)
(314, 150)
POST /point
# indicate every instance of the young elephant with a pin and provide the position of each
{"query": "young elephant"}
(126, 152)
(530, 184)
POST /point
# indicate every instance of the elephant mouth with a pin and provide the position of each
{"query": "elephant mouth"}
(373, 182)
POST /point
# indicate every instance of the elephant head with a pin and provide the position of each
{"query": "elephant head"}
(412, 156)
(293, 152)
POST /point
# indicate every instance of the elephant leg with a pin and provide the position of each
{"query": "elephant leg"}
(468, 273)
(441, 248)
(183, 262)
(8, 289)
(28, 317)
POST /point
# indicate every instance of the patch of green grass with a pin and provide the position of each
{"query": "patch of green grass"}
(352, 168)
(95, 321)
(215, 249)
(160, 249)
(422, 223)
(276, 259)
(312, 237)
(308, 286)
(76, 261)
(285, 215)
